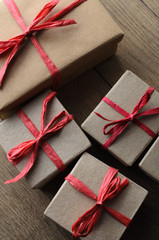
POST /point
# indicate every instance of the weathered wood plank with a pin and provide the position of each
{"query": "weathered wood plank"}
(152, 5)
(139, 50)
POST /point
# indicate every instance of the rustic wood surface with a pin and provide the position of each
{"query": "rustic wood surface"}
(21, 209)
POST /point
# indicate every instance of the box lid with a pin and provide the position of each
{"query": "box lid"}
(68, 143)
(66, 46)
(69, 204)
(133, 140)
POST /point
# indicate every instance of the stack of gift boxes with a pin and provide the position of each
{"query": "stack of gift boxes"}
(42, 138)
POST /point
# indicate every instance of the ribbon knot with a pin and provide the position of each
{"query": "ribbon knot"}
(118, 126)
(100, 203)
(40, 137)
(27, 33)
(13, 44)
(110, 188)
(16, 154)
(132, 116)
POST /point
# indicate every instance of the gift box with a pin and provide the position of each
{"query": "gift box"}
(120, 122)
(73, 49)
(65, 143)
(150, 163)
(69, 203)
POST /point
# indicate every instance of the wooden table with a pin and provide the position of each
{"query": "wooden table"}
(21, 209)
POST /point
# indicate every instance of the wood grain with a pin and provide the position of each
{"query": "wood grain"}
(152, 5)
(21, 209)
(139, 50)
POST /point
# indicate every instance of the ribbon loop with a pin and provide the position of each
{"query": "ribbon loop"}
(111, 187)
(16, 154)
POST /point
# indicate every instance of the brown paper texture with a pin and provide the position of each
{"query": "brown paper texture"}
(68, 143)
(150, 162)
(69, 204)
(74, 49)
(131, 143)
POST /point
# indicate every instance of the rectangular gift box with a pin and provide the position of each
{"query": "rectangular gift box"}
(69, 204)
(68, 143)
(74, 49)
(126, 93)
(150, 162)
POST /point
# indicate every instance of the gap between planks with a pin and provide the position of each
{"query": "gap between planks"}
(139, 49)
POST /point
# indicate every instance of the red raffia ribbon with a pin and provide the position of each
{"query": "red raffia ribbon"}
(120, 125)
(13, 44)
(110, 188)
(16, 154)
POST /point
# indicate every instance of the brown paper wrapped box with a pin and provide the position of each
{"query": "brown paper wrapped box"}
(150, 162)
(68, 143)
(133, 140)
(74, 49)
(69, 204)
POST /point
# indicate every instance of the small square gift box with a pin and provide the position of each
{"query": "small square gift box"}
(41, 144)
(150, 162)
(95, 201)
(65, 39)
(126, 120)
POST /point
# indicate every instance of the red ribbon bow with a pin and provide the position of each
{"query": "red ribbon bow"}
(13, 44)
(111, 187)
(120, 125)
(17, 153)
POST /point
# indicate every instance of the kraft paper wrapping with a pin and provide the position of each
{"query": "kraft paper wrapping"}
(133, 140)
(150, 162)
(69, 204)
(73, 49)
(68, 143)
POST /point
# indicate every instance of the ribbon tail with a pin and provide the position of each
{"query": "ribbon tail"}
(27, 167)
(4, 68)
(55, 24)
(120, 217)
(99, 115)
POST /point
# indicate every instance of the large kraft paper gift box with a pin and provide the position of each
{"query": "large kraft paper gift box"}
(126, 94)
(69, 204)
(150, 162)
(73, 49)
(68, 142)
